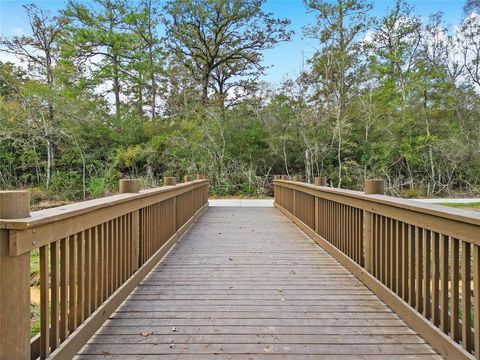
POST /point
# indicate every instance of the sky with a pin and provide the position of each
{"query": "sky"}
(286, 59)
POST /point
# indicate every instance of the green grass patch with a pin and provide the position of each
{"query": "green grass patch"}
(472, 206)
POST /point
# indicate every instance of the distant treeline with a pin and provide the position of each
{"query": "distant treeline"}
(112, 88)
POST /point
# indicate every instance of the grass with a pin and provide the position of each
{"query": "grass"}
(466, 206)
(34, 283)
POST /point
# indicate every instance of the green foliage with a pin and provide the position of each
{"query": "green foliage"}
(107, 97)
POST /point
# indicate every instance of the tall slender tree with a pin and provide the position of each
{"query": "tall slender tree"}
(101, 36)
(338, 65)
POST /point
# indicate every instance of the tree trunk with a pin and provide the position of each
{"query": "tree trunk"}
(49, 162)
(116, 85)
(206, 77)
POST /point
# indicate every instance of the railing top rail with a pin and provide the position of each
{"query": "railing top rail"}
(46, 216)
(450, 213)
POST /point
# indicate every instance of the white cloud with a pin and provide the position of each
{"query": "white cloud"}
(6, 57)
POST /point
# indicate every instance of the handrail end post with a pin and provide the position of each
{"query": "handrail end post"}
(169, 181)
(374, 186)
(321, 181)
(14, 283)
(129, 186)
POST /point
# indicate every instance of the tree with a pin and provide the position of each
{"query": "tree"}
(40, 51)
(470, 36)
(338, 65)
(146, 67)
(101, 36)
(218, 40)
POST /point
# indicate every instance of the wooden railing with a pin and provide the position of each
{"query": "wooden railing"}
(422, 260)
(92, 255)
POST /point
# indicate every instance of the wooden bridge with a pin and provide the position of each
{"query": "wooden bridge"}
(326, 274)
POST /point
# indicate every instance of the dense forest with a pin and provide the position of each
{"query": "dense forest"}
(108, 89)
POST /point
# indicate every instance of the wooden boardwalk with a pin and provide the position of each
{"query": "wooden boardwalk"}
(246, 283)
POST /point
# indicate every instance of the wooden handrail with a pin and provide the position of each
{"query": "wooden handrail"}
(422, 260)
(445, 219)
(92, 255)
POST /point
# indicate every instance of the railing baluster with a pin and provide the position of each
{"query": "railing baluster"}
(88, 274)
(426, 273)
(81, 276)
(476, 298)
(398, 258)
(72, 270)
(405, 261)
(101, 264)
(444, 277)
(63, 290)
(44, 304)
(454, 301)
(436, 280)
(411, 268)
(418, 269)
(466, 299)
(95, 268)
(55, 298)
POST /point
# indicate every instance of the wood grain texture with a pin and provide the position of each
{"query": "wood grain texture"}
(247, 283)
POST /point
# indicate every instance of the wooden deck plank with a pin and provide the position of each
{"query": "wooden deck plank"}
(258, 330)
(258, 356)
(247, 283)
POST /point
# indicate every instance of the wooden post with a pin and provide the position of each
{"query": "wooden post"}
(129, 186)
(297, 178)
(321, 181)
(374, 186)
(187, 178)
(277, 177)
(169, 181)
(133, 186)
(283, 177)
(14, 283)
(201, 177)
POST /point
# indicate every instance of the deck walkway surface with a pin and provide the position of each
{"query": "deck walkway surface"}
(246, 283)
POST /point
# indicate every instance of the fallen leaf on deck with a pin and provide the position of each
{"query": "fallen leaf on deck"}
(144, 333)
